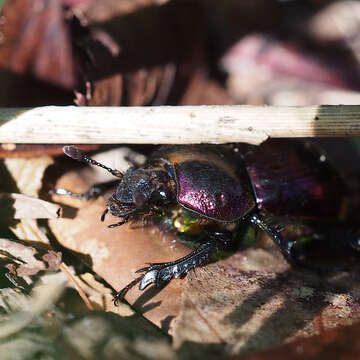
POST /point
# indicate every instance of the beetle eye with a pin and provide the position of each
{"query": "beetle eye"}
(160, 196)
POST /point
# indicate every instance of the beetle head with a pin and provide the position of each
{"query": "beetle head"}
(141, 191)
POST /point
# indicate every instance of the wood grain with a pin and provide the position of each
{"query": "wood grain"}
(175, 124)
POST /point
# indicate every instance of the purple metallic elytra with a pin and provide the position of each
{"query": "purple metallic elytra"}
(292, 182)
(210, 191)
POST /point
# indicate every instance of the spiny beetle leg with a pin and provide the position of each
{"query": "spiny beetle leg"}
(263, 222)
(93, 192)
(160, 273)
(287, 246)
(119, 296)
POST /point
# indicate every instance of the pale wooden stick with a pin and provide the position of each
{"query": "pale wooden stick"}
(175, 125)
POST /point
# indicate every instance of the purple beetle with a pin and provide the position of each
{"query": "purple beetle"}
(220, 186)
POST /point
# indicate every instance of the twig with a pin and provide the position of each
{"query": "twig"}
(79, 289)
(180, 124)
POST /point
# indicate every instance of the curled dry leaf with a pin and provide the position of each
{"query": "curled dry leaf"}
(115, 254)
(27, 259)
(25, 176)
(18, 206)
(28, 173)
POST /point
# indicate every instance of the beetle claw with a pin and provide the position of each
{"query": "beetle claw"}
(119, 296)
(160, 273)
(150, 277)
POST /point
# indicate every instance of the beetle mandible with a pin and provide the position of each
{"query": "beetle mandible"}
(221, 186)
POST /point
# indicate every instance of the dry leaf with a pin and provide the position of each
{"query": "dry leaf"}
(28, 173)
(28, 258)
(18, 206)
(36, 41)
(341, 343)
(43, 297)
(41, 326)
(25, 176)
(251, 301)
(263, 69)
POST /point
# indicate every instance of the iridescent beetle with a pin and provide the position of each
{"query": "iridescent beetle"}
(220, 187)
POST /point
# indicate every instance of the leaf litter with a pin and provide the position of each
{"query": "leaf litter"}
(247, 302)
(250, 301)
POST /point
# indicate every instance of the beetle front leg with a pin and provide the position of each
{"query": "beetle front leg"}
(93, 192)
(161, 273)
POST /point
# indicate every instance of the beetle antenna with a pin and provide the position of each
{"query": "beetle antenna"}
(73, 152)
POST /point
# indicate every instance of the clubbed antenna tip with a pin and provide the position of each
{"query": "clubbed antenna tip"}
(73, 152)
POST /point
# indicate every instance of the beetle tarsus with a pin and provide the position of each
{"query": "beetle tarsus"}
(102, 218)
(161, 273)
(119, 296)
(118, 224)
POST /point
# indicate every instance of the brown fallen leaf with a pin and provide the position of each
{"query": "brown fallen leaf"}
(340, 343)
(26, 175)
(168, 64)
(264, 69)
(36, 41)
(28, 258)
(254, 301)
